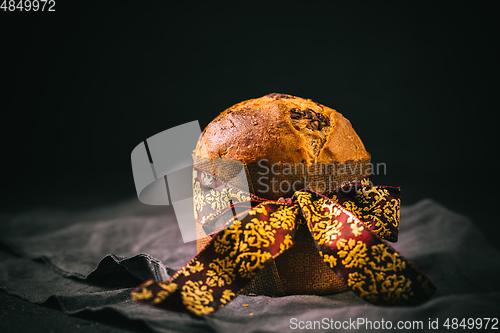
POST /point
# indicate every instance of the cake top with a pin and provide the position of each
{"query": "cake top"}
(281, 129)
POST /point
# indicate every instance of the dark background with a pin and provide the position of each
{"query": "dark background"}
(82, 86)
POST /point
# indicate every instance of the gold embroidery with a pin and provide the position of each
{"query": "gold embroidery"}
(223, 244)
(391, 211)
(259, 233)
(353, 208)
(198, 199)
(379, 276)
(328, 207)
(168, 288)
(365, 182)
(284, 217)
(222, 272)
(227, 296)
(287, 242)
(196, 296)
(143, 294)
(395, 288)
(357, 281)
(217, 198)
(239, 196)
(381, 255)
(320, 215)
(374, 210)
(367, 287)
(353, 252)
(252, 262)
(207, 179)
(356, 226)
(304, 200)
(258, 209)
(330, 259)
(326, 231)
(189, 269)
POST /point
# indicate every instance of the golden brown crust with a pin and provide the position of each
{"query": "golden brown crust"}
(282, 129)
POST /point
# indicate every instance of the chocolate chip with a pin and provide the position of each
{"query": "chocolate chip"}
(296, 113)
(308, 113)
(317, 120)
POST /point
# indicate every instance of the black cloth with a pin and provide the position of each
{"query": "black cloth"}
(92, 260)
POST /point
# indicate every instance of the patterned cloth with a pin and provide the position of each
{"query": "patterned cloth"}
(347, 225)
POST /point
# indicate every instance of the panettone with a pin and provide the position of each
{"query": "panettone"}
(283, 130)
(284, 206)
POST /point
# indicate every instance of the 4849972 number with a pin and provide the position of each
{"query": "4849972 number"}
(29, 5)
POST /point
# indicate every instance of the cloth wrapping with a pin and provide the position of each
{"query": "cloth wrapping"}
(299, 270)
(56, 254)
(348, 226)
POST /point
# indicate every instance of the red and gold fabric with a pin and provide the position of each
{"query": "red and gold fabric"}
(348, 226)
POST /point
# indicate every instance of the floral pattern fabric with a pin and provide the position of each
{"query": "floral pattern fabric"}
(348, 227)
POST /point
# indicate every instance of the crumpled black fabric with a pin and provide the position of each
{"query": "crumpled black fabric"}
(92, 260)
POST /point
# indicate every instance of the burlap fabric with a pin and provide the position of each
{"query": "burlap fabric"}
(300, 270)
